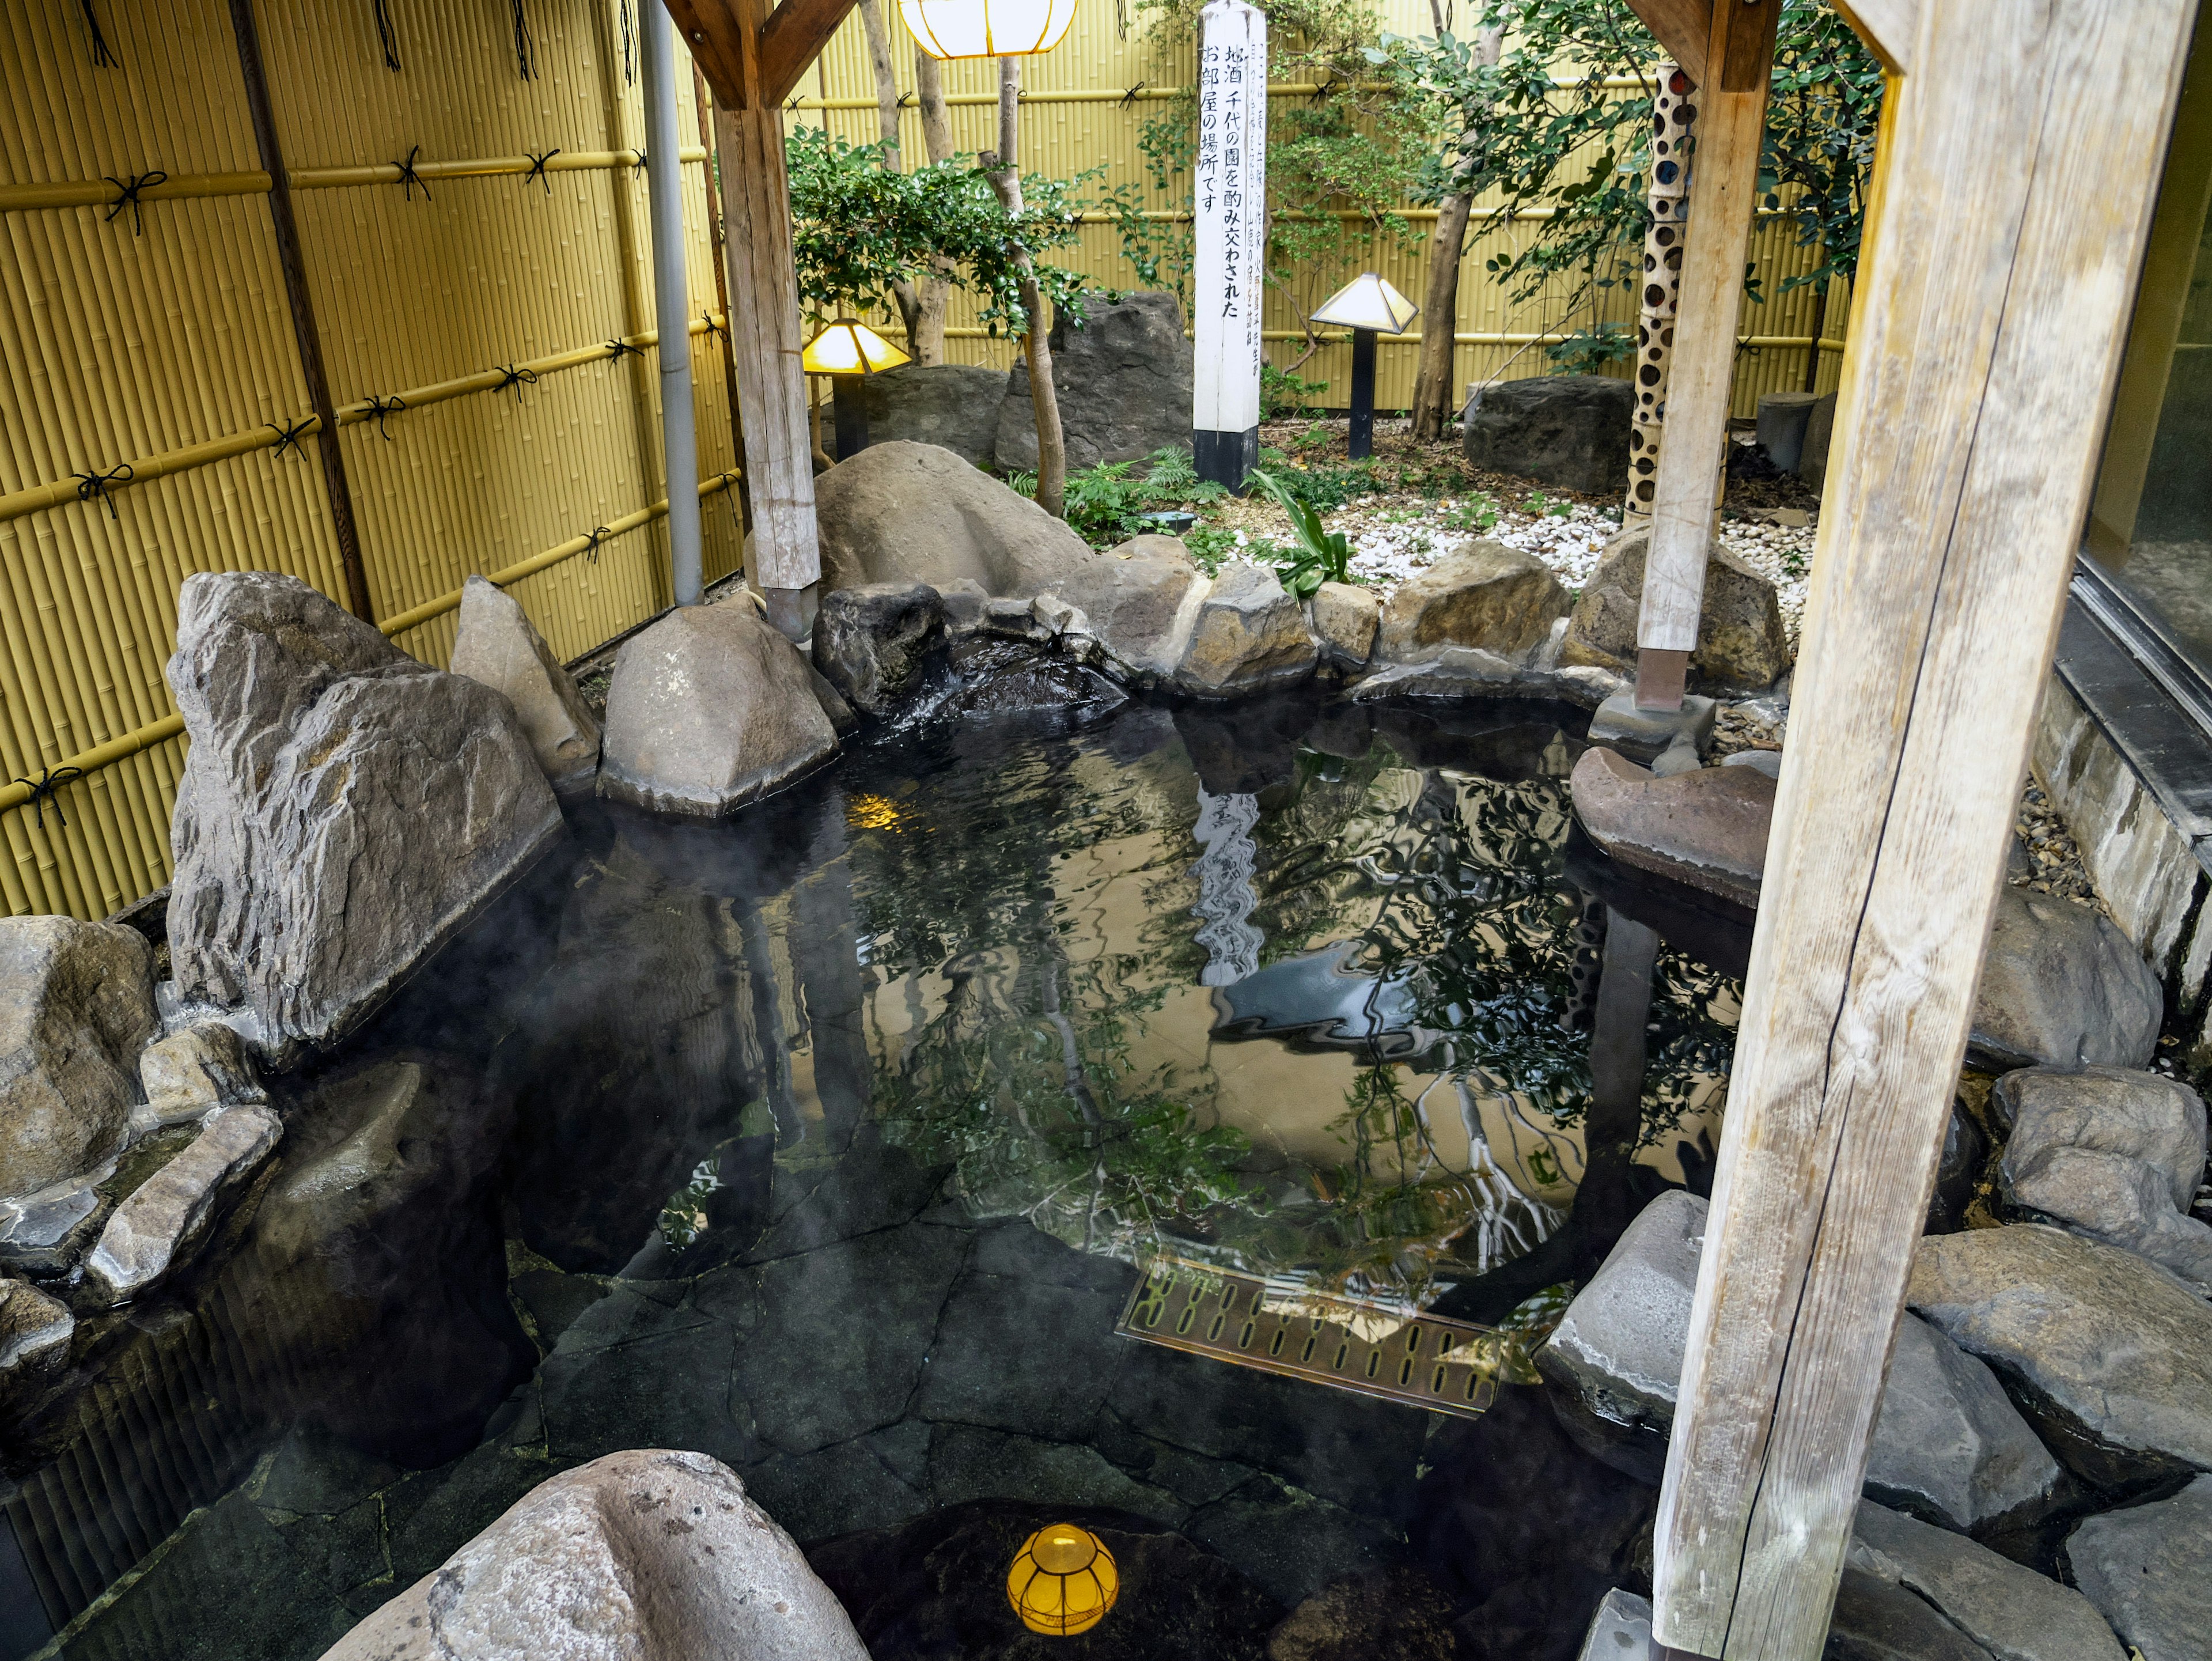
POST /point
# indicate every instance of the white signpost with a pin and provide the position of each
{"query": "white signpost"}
(1232, 188)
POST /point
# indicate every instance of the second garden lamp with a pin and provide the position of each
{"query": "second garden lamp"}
(1367, 306)
(986, 29)
(847, 351)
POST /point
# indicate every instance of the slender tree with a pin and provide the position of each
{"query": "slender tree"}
(936, 292)
(1004, 171)
(904, 292)
(1432, 382)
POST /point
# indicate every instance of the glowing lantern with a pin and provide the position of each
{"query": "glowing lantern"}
(845, 351)
(1367, 306)
(1063, 1580)
(986, 29)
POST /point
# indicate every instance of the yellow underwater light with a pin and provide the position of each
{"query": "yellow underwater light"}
(1063, 1580)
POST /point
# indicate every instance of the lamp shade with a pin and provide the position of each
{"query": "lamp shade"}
(986, 29)
(1063, 1580)
(848, 347)
(1367, 302)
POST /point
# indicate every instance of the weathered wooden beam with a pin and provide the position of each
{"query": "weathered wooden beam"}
(717, 42)
(2017, 173)
(1888, 28)
(792, 38)
(765, 339)
(1682, 26)
(1723, 190)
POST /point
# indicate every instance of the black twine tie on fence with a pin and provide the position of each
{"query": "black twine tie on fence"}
(599, 533)
(640, 163)
(288, 434)
(408, 179)
(537, 168)
(1130, 96)
(629, 45)
(126, 196)
(525, 55)
(386, 37)
(44, 789)
(97, 484)
(380, 407)
(713, 327)
(516, 378)
(618, 349)
(102, 57)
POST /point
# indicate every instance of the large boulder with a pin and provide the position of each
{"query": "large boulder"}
(2149, 1571)
(495, 645)
(2062, 987)
(2110, 1356)
(1946, 1442)
(1740, 639)
(645, 1556)
(1707, 827)
(873, 644)
(155, 1230)
(1487, 596)
(2114, 1156)
(1346, 621)
(708, 709)
(1571, 431)
(77, 1006)
(954, 405)
(1122, 381)
(344, 810)
(914, 513)
(2012, 1612)
(1249, 636)
(1140, 601)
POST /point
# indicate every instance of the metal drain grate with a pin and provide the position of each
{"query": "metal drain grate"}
(1346, 1342)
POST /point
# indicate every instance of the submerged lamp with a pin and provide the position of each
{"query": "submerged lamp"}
(986, 28)
(847, 350)
(1367, 306)
(1063, 1580)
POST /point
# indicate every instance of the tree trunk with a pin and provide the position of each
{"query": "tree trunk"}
(935, 292)
(1004, 170)
(887, 132)
(1432, 383)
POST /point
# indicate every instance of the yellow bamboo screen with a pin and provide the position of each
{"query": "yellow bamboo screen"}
(123, 347)
(1077, 114)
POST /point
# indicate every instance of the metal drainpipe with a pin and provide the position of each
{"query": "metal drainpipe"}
(664, 172)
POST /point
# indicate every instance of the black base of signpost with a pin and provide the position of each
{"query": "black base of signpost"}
(850, 415)
(1226, 459)
(1363, 395)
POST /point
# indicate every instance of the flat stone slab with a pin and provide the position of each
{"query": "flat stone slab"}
(2013, 1612)
(1707, 828)
(2110, 1356)
(2149, 1571)
(1620, 1630)
(155, 1229)
(1643, 735)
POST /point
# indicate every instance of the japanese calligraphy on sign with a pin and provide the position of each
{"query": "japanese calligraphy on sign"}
(1230, 189)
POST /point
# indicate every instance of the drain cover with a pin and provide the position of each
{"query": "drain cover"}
(1330, 1338)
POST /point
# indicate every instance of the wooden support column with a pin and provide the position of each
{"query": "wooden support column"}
(1731, 121)
(2016, 175)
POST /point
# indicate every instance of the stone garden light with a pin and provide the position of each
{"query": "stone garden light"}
(847, 351)
(986, 29)
(1368, 306)
(1063, 1580)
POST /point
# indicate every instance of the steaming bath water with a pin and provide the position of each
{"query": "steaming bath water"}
(829, 1142)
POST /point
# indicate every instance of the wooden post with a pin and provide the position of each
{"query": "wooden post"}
(765, 338)
(304, 335)
(2017, 171)
(1731, 121)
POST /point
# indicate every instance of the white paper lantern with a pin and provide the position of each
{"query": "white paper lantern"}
(986, 29)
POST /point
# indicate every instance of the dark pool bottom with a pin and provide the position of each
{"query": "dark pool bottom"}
(700, 1140)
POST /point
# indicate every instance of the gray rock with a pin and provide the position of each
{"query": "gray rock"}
(193, 1071)
(964, 602)
(708, 709)
(496, 646)
(45, 1233)
(2106, 1196)
(2141, 1116)
(156, 1230)
(1141, 602)
(1819, 430)
(2109, 1356)
(1451, 671)
(1707, 827)
(873, 644)
(1740, 639)
(1620, 1630)
(1122, 381)
(1677, 758)
(841, 718)
(1644, 735)
(914, 513)
(2062, 987)
(77, 1006)
(1591, 688)
(2149, 1571)
(34, 1336)
(1876, 1620)
(954, 405)
(1768, 762)
(1947, 1442)
(1345, 621)
(344, 811)
(653, 1555)
(1782, 418)
(1489, 596)
(2014, 1612)
(1567, 430)
(1249, 636)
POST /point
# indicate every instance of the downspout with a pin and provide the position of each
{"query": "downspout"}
(664, 175)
